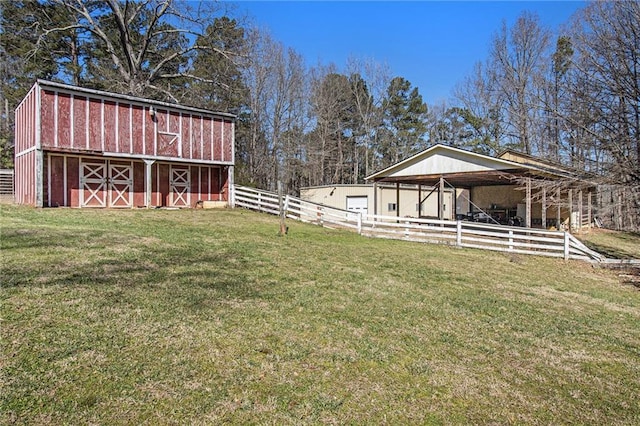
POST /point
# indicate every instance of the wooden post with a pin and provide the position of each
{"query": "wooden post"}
(459, 233)
(419, 200)
(558, 210)
(589, 208)
(148, 180)
(528, 205)
(580, 210)
(570, 196)
(283, 226)
(544, 208)
(566, 245)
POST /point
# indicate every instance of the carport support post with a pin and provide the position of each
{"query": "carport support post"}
(570, 210)
(528, 205)
(375, 199)
(544, 207)
(580, 210)
(148, 192)
(589, 208)
(419, 198)
(397, 199)
(441, 199)
(558, 214)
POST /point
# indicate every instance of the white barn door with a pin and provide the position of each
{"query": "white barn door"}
(93, 184)
(106, 185)
(120, 185)
(180, 184)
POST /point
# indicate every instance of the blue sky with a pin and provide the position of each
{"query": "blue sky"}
(433, 44)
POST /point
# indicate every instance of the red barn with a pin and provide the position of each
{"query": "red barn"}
(79, 147)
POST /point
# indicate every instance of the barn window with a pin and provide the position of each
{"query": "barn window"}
(391, 207)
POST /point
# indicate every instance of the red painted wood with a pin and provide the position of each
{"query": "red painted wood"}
(56, 179)
(194, 183)
(109, 126)
(185, 134)
(73, 181)
(217, 140)
(228, 141)
(224, 184)
(163, 185)
(79, 139)
(138, 123)
(204, 184)
(196, 138)
(95, 125)
(139, 184)
(64, 120)
(94, 122)
(206, 135)
(124, 137)
(47, 119)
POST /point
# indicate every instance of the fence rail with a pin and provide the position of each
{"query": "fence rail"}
(456, 233)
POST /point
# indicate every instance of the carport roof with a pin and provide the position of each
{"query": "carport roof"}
(462, 169)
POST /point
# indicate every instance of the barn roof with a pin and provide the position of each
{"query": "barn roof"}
(463, 169)
(134, 99)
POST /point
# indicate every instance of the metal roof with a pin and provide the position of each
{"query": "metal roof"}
(462, 168)
(135, 99)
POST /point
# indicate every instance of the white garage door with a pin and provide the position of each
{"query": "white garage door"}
(357, 204)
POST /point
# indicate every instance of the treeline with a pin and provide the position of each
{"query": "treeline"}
(572, 97)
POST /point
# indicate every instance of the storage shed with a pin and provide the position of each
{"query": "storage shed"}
(409, 201)
(78, 147)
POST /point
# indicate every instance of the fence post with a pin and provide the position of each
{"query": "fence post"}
(459, 233)
(359, 223)
(566, 245)
(510, 239)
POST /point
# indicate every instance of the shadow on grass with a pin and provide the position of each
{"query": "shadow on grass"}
(615, 252)
(184, 274)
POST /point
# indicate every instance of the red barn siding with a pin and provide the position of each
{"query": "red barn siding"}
(60, 128)
(139, 185)
(62, 122)
(163, 185)
(228, 141)
(95, 131)
(56, 179)
(124, 129)
(79, 124)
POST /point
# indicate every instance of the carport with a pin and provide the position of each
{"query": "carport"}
(494, 184)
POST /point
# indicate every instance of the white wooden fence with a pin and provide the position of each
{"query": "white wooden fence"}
(456, 233)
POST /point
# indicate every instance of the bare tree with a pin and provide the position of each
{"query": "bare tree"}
(276, 83)
(606, 37)
(516, 67)
(139, 48)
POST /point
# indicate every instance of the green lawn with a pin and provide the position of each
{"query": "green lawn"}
(617, 245)
(205, 316)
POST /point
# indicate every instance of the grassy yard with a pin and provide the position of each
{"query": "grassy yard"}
(617, 245)
(202, 316)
